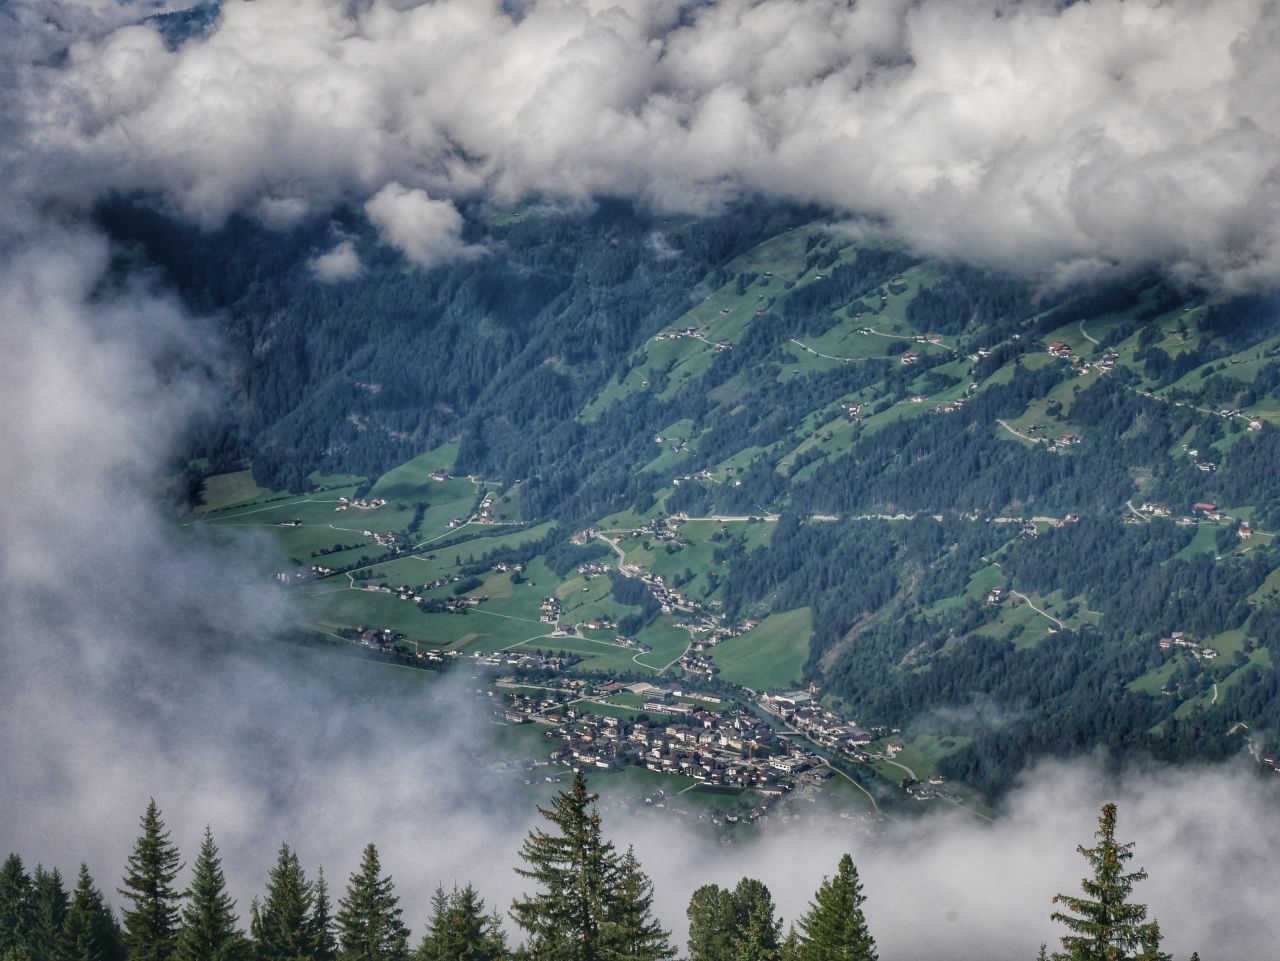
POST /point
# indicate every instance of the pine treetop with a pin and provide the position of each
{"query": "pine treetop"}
(835, 928)
(368, 918)
(151, 922)
(1104, 925)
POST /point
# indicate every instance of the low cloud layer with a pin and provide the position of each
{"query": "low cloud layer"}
(1047, 139)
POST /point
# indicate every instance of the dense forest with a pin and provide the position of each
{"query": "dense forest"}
(589, 902)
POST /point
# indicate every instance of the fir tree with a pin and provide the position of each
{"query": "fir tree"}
(631, 931)
(835, 929)
(1104, 925)
(209, 931)
(17, 903)
(151, 923)
(48, 916)
(460, 930)
(368, 918)
(91, 928)
(282, 924)
(575, 869)
(326, 948)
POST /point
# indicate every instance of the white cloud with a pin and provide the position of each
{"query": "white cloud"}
(428, 232)
(340, 263)
(1021, 134)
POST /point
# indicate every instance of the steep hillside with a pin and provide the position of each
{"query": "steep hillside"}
(1006, 521)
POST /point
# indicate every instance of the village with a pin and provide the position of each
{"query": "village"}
(691, 734)
(667, 729)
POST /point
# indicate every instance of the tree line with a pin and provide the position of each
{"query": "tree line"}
(589, 902)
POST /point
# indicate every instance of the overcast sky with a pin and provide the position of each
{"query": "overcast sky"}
(1056, 142)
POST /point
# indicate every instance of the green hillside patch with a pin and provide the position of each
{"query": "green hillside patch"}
(412, 479)
(1268, 590)
(983, 581)
(1205, 541)
(667, 643)
(771, 655)
(225, 490)
(1154, 680)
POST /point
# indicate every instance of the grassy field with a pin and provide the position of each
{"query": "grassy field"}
(226, 490)
(771, 655)
(414, 477)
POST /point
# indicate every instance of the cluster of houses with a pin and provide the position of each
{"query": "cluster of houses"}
(951, 406)
(360, 503)
(1187, 642)
(378, 639)
(853, 410)
(704, 475)
(910, 357)
(824, 727)
(1036, 431)
(1102, 364)
(1206, 466)
(667, 530)
(592, 570)
(434, 657)
(697, 333)
(549, 611)
(1200, 509)
(668, 599)
(712, 747)
(530, 661)
(1229, 412)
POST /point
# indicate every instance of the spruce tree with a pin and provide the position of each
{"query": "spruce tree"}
(17, 905)
(630, 929)
(209, 931)
(758, 932)
(151, 922)
(326, 948)
(835, 929)
(1104, 924)
(575, 869)
(1151, 944)
(50, 904)
(711, 924)
(91, 928)
(791, 946)
(282, 925)
(368, 918)
(460, 930)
